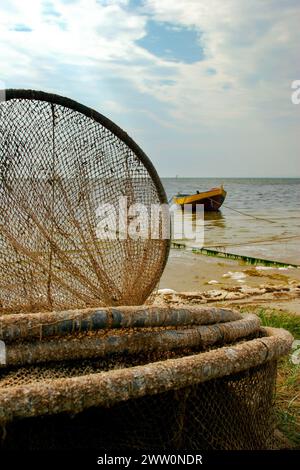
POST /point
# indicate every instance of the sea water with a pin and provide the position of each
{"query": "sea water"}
(259, 217)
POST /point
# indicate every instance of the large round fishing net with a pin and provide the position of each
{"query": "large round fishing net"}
(70, 230)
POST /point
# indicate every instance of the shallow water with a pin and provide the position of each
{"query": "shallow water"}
(269, 225)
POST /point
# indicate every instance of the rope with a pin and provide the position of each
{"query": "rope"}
(240, 212)
(247, 215)
(250, 215)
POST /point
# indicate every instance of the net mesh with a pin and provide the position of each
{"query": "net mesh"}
(59, 166)
(59, 163)
(234, 411)
(229, 413)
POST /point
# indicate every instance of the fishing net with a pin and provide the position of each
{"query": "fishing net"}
(75, 373)
(69, 180)
(156, 378)
(222, 414)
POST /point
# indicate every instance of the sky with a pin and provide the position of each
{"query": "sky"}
(203, 86)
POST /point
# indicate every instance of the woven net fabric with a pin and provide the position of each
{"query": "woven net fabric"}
(230, 413)
(60, 162)
(204, 395)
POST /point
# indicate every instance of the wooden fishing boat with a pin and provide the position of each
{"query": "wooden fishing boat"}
(212, 199)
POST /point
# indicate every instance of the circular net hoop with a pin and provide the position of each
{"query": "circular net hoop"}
(139, 377)
(60, 163)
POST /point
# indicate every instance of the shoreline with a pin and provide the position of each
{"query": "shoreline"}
(197, 278)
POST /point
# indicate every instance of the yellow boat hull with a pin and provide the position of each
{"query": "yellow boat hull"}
(212, 199)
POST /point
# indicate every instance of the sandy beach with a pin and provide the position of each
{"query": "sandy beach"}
(202, 279)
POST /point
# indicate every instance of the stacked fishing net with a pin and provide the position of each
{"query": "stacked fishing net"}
(139, 378)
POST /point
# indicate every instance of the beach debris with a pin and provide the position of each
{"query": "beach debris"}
(264, 268)
(236, 276)
(166, 291)
(213, 281)
(280, 268)
(264, 292)
(274, 275)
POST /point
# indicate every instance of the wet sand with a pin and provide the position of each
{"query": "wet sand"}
(203, 279)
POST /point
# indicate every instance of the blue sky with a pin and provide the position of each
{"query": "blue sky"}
(172, 43)
(203, 86)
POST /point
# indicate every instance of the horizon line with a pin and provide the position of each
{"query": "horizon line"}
(234, 177)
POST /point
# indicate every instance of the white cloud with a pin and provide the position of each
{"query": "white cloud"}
(252, 46)
(113, 106)
(83, 31)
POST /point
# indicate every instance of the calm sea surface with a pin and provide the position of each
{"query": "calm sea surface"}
(277, 201)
